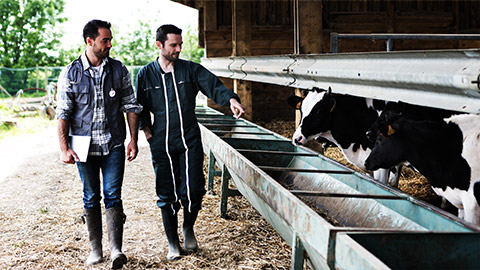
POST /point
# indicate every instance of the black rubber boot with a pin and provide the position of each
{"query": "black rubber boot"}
(115, 220)
(93, 218)
(170, 224)
(189, 218)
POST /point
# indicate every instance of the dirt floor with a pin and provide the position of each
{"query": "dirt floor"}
(41, 228)
(41, 205)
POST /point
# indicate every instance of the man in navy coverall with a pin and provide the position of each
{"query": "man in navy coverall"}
(167, 88)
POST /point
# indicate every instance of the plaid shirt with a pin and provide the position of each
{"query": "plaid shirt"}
(101, 141)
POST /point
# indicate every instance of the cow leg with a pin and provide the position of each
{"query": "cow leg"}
(394, 176)
(471, 209)
(381, 175)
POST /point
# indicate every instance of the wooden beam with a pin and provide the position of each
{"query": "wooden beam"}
(241, 41)
(310, 26)
(210, 22)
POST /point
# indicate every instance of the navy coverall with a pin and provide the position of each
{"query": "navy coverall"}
(176, 145)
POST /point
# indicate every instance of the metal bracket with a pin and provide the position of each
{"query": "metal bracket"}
(211, 173)
(226, 192)
(298, 252)
(477, 81)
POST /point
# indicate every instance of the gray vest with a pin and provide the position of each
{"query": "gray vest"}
(82, 95)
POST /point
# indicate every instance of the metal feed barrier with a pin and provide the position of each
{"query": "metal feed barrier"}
(448, 79)
(332, 216)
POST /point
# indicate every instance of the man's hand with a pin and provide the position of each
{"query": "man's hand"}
(237, 108)
(148, 133)
(69, 156)
(132, 150)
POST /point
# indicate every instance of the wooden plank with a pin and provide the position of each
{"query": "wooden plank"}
(210, 23)
(311, 27)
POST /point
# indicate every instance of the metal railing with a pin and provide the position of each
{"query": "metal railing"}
(334, 37)
(447, 79)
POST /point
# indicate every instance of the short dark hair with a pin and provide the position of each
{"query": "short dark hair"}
(165, 29)
(90, 30)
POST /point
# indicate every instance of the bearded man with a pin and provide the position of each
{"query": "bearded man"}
(94, 92)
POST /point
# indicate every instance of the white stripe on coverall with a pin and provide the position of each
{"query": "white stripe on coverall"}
(166, 142)
(187, 180)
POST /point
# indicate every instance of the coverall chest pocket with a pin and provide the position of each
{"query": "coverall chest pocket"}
(155, 94)
(81, 93)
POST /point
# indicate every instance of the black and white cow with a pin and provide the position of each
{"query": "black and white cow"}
(340, 119)
(446, 152)
(408, 111)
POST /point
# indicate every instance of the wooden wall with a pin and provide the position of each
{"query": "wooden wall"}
(273, 22)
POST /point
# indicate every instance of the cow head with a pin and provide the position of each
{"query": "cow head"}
(389, 149)
(316, 112)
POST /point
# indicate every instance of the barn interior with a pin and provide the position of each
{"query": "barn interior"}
(248, 29)
(278, 27)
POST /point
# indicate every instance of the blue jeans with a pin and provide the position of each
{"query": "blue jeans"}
(113, 168)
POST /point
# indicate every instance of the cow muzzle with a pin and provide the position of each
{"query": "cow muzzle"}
(299, 140)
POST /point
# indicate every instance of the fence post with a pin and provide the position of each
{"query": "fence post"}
(46, 77)
(36, 79)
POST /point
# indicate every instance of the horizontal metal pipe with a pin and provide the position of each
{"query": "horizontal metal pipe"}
(240, 132)
(217, 119)
(345, 195)
(442, 79)
(227, 125)
(276, 152)
(409, 36)
(284, 169)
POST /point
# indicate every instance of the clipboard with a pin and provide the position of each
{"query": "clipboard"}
(80, 145)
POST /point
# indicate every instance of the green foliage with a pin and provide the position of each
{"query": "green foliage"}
(190, 49)
(66, 56)
(28, 32)
(136, 48)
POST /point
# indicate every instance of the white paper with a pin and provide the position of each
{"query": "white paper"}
(80, 145)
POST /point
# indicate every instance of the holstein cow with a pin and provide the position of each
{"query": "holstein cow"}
(408, 111)
(445, 151)
(340, 119)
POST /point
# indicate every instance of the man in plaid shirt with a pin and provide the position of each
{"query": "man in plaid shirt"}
(94, 92)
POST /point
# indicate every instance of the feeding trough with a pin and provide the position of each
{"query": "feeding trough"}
(331, 215)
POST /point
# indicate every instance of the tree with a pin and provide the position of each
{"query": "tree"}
(138, 47)
(28, 32)
(190, 50)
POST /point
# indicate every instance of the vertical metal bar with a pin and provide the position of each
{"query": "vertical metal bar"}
(224, 192)
(298, 252)
(211, 172)
(334, 42)
(331, 249)
(389, 44)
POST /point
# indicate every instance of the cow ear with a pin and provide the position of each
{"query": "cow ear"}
(329, 91)
(390, 130)
(295, 101)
